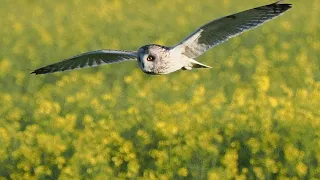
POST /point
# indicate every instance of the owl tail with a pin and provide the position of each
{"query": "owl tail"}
(196, 64)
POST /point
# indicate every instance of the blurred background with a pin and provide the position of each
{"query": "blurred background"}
(254, 115)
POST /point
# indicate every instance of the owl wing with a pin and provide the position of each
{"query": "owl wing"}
(89, 59)
(220, 30)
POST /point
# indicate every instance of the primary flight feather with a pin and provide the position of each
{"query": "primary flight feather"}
(157, 59)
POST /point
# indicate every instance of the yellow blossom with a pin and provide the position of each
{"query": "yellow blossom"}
(183, 172)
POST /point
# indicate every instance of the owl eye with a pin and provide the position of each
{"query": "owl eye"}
(150, 58)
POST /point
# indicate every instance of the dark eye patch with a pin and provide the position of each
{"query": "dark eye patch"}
(150, 58)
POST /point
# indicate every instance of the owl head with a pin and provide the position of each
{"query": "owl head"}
(150, 58)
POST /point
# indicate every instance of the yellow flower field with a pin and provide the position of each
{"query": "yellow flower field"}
(254, 115)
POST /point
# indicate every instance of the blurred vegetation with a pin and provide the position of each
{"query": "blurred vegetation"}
(255, 115)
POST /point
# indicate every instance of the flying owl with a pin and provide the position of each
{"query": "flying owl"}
(157, 59)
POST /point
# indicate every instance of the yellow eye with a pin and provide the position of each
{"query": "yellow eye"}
(150, 58)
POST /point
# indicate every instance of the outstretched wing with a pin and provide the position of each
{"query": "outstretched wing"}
(227, 27)
(89, 59)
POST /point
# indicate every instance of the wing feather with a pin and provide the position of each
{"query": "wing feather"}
(220, 30)
(89, 59)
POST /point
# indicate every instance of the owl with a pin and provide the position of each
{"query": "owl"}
(156, 59)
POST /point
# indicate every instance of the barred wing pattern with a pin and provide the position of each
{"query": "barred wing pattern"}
(89, 59)
(222, 29)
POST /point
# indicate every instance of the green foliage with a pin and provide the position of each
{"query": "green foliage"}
(254, 115)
